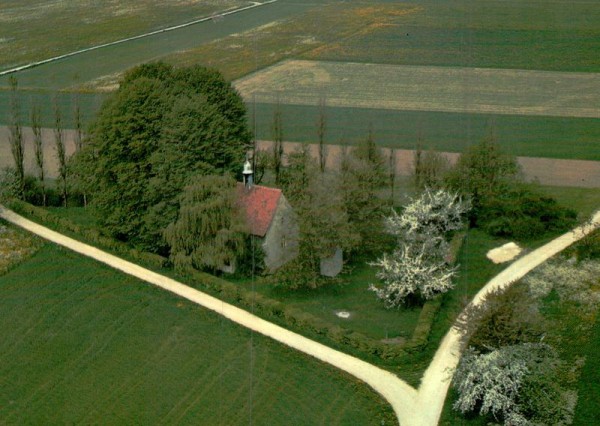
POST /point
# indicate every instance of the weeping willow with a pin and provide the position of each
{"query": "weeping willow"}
(208, 233)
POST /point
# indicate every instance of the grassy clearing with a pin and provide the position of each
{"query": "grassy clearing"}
(82, 342)
(32, 30)
(367, 314)
(553, 137)
(584, 200)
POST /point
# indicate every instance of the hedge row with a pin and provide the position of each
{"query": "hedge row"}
(427, 316)
(256, 302)
(293, 317)
(90, 235)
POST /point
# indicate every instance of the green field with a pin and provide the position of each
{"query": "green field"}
(554, 137)
(82, 343)
(105, 63)
(32, 30)
(426, 88)
(533, 136)
(560, 35)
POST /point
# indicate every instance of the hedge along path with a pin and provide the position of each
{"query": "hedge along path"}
(413, 408)
(400, 395)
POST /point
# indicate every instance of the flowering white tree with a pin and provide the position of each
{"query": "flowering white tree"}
(417, 267)
(515, 384)
(432, 213)
(410, 271)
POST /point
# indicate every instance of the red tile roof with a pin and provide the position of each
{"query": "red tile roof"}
(259, 204)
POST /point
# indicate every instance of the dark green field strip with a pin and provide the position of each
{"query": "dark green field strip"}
(82, 343)
(89, 104)
(553, 137)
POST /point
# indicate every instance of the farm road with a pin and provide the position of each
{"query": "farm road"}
(422, 407)
(426, 88)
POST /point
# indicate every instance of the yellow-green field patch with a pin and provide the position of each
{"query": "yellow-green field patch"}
(426, 88)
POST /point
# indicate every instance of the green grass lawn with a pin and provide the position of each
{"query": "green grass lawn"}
(367, 314)
(82, 343)
(583, 200)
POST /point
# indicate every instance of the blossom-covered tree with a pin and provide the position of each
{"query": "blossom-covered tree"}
(417, 269)
(432, 213)
(514, 384)
(410, 272)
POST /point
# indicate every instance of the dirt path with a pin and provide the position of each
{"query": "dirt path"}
(412, 408)
(400, 395)
(436, 380)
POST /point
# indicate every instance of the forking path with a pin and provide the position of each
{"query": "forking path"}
(412, 407)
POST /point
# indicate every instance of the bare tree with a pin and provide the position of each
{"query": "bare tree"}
(392, 170)
(79, 138)
(277, 132)
(61, 154)
(78, 125)
(16, 137)
(38, 146)
(321, 130)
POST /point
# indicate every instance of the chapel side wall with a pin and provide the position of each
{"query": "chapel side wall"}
(281, 241)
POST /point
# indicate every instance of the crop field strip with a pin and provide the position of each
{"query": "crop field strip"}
(26, 36)
(560, 35)
(106, 62)
(530, 136)
(418, 88)
(81, 342)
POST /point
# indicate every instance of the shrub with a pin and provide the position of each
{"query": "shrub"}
(522, 214)
(505, 317)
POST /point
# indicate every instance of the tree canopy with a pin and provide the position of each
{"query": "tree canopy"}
(163, 126)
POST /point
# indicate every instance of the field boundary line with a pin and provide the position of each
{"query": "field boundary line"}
(253, 5)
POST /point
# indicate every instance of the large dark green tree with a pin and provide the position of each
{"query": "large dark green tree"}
(364, 177)
(503, 203)
(161, 127)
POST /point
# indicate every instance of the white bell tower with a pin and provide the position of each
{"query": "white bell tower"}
(248, 174)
